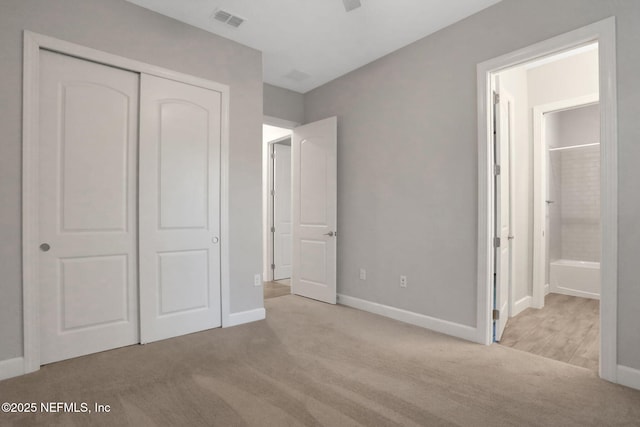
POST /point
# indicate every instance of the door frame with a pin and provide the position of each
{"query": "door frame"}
(540, 167)
(33, 43)
(271, 207)
(602, 32)
(511, 306)
(267, 201)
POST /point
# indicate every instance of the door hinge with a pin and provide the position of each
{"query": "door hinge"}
(273, 229)
(273, 266)
(496, 314)
(496, 242)
(496, 97)
(273, 155)
(496, 169)
(273, 192)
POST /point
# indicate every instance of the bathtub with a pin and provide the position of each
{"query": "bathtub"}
(577, 278)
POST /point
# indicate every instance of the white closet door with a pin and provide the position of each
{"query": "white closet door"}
(180, 131)
(87, 210)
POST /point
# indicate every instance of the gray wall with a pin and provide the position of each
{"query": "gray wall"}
(121, 28)
(283, 103)
(408, 159)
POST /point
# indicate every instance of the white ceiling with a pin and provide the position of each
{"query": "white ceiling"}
(319, 38)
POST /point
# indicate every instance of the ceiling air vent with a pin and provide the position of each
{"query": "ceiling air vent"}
(349, 5)
(297, 75)
(227, 18)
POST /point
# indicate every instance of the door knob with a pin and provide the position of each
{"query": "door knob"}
(45, 247)
(331, 234)
(215, 239)
(511, 237)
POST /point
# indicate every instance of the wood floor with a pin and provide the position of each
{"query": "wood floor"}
(566, 329)
(276, 289)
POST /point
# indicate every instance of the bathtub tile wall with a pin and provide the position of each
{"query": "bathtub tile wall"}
(580, 203)
(554, 238)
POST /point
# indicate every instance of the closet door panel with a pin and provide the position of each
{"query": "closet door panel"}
(88, 120)
(180, 136)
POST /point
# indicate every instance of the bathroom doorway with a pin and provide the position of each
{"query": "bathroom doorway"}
(277, 211)
(548, 205)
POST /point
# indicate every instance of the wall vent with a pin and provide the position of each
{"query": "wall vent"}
(227, 18)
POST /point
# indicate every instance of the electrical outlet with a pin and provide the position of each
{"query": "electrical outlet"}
(257, 280)
(403, 281)
(363, 274)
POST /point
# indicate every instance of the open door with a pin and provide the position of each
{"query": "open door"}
(281, 211)
(503, 226)
(314, 203)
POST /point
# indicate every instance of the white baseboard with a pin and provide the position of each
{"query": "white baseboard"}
(546, 289)
(521, 305)
(443, 326)
(574, 292)
(11, 368)
(246, 317)
(629, 377)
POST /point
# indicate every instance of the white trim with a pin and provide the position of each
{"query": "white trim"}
(574, 293)
(609, 201)
(267, 176)
(505, 96)
(547, 290)
(11, 368)
(33, 42)
(30, 203)
(39, 41)
(281, 123)
(604, 33)
(629, 377)
(540, 160)
(225, 237)
(268, 202)
(267, 211)
(248, 316)
(521, 305)
(443, 326)
(571, 147)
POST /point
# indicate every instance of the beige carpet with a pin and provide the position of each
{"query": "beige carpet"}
(566, 329)
(313, 364)
(277, 289)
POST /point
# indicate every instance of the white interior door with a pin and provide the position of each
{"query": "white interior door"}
(281, 211)
(503, 183)
(314, 175)
(179, 206)
(87, 209)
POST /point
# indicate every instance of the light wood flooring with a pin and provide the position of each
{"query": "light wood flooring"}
(566, 329)
(276, 289)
